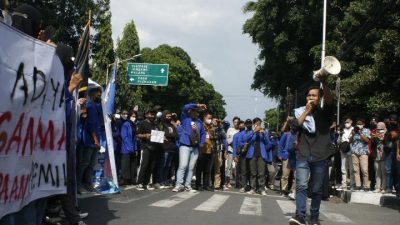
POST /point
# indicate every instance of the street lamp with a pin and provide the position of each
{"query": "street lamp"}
(120, 61)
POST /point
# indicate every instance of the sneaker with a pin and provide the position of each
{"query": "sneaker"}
(90, 188)
(157, 186)
(190, 189)
(342, 188)
(83, 215)
(150, 187)
(271, 187)
(297, 221)
(140, 187)
(292, 196)
(377, 191)
(264, 193)
(225, 188)
(366, 189)
(251, 192)
(314, 221)
(242, 190)
(176, 189)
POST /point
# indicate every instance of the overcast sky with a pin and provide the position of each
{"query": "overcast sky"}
(211, 32)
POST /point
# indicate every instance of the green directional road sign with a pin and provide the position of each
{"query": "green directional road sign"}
(148, 74)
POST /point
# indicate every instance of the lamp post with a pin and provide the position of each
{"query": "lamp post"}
(120, 61)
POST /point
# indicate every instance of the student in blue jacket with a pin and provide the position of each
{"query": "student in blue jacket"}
(128, 150)
(236, 154)
(257, 155)
(192, 136)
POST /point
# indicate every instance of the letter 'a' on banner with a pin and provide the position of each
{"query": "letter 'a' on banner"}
(32, 121)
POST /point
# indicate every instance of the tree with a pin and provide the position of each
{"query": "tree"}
(185, 83)
(128, 46)
(273, 119)
(103, 48)
(363, 35)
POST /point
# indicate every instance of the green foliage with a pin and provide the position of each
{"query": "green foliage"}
(127, 96)
(103, 49)
(273, 118)
(363, 35)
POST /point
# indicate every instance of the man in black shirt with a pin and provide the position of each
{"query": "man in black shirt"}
(150, 150)
(314, 147)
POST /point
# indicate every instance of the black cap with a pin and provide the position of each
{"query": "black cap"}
(248, 121)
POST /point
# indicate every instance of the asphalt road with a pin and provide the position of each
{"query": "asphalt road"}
(230, 207)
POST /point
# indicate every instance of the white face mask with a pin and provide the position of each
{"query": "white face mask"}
(125, 117)
(360, 126)
(117, 116)
(208, 121)
(159, 114)
(133, 119)
(347, 125)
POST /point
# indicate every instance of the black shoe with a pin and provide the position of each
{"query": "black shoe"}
(208, 189)
(367, 189)
(314, 221)
(199, 188)
(297, 221)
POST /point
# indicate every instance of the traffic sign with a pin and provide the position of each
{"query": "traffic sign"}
(148, 74)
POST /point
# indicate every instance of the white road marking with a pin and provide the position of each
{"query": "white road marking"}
(286, 206)
(213, 203)
(251, 206)
(174, 200)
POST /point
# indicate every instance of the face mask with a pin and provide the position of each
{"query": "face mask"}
(124, 117)
(347, 125)
(381, 131)
(208, 121)
(117, 116)
(241, 129)
(133, 119)
(249, 127)
(97, 100)
(159, 114)
(360, 126)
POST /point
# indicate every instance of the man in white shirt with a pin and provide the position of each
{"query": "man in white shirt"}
(229, 158)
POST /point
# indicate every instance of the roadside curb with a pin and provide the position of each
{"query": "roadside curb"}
(368, 198)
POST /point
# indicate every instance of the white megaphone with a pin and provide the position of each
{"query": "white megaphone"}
(331, 67)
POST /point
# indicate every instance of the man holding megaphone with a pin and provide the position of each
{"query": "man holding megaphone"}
(313, 148)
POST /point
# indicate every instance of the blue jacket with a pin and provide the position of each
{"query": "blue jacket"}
(287, 148)
(95, 123)
(265, 145)
(235, 144)
(283, 145)
(185, 129)
(128, 137)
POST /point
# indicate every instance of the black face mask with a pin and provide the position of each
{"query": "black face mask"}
(97, 100)
(249, 127)
(241, 129)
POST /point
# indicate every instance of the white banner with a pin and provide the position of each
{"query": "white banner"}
(32, 121)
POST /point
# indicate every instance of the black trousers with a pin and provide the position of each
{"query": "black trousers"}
(244, 171)
(257, 171)
(148, 166)
(129, 167)
(203, 170)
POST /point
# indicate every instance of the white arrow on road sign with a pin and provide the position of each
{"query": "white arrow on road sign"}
(132, 79)
(162, 70)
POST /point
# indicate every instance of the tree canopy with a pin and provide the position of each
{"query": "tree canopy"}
(363, 35)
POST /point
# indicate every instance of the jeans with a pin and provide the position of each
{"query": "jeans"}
(164, 166)
(304, 170)
(389, 158)
(257, 170)
(398, 176)
(87, 160)
(187, 160)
